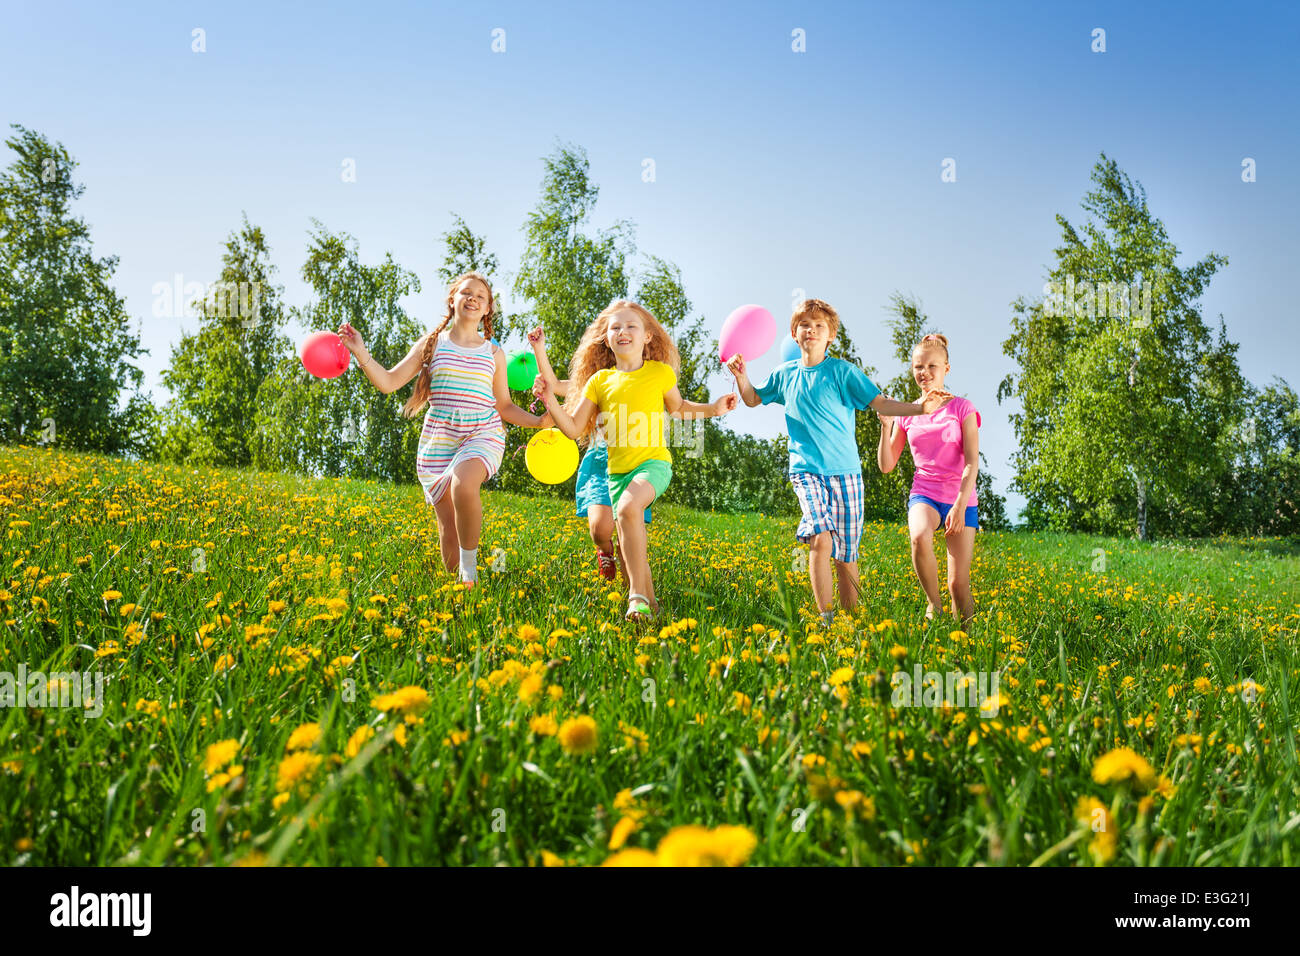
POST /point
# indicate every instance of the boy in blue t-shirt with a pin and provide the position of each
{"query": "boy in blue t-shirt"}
(820, 395)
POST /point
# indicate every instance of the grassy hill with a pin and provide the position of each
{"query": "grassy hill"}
(288, 675)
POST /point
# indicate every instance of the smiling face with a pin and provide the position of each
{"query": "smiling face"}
(471, 301)
(929, 367)
(626, 335)
(813, 333)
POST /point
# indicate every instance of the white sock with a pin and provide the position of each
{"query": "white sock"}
(468, 564)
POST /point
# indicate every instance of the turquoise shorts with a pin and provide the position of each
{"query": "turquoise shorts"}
(593, 482)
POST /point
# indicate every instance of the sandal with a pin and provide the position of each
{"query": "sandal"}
(638, 608)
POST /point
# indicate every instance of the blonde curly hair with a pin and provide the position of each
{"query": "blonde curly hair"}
(594, 354)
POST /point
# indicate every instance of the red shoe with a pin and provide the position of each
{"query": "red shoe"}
(607, 564)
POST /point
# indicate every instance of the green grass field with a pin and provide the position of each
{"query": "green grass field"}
(289, 676)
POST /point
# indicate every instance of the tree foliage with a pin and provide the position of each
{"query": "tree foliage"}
(343, 426)
(216, 372)
(67, 350)
(1127, 402)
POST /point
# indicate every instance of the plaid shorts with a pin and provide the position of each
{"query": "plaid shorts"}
(830, 503)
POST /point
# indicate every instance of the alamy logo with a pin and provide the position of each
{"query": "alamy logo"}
(954, 689)
(1099, 300)
(102, 909)
(227, 300)
(634, 429)
(56, 689)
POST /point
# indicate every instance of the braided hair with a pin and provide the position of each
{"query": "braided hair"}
(420, 397)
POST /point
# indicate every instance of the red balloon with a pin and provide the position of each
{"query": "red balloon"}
(324, 354)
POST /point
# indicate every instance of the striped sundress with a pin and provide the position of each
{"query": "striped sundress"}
(462, 420)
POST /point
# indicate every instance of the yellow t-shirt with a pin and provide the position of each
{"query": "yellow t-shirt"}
(631, 408)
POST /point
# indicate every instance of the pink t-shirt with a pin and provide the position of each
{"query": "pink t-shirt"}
(936, 444)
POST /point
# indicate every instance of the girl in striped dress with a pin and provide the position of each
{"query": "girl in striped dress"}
(462, 379)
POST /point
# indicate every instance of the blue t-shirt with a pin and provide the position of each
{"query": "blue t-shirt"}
(819, 404)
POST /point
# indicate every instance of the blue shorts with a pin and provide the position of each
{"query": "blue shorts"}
(593, 482)
(972, 511)
(831, 503)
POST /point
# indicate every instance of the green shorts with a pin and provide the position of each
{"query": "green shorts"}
(656, 471)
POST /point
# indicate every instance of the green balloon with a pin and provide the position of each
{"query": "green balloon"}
(521, 370)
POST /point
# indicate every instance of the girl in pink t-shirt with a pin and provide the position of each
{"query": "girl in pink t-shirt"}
(946, 450)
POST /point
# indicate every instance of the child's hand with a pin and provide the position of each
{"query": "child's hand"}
(886, 421)
(352, 339)
(736, 365)
(547, 421)
(540, 388)
(537, 338)
(932, 400)
(537, 381)
(725, 403)
(955, 521)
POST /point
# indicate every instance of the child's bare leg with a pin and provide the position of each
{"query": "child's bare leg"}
(600, 521)
(819, 571)
(922, 520)
(447, 540)
(961, 547)
(847, 574)
(467, 479)
(630, 517)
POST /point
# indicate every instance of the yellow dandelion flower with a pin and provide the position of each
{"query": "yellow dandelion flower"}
(622, 830)
(1122, 765)
(220, 754)
(303, 738)
(841, 676)
(544, 726)
(632, 857)
(578, 735)
(530, 687)
(358, 740)
(296, 769)
(406, 700)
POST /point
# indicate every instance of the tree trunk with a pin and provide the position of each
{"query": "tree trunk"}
(1142, 509)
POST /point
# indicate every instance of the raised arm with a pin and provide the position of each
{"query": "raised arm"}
(537, 339)
(572, 425)
(884, 405)
(386, 380)
(736, 365)
(506, 408)
(689, 410)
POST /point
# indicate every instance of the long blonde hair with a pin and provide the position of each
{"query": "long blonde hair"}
(594, 354)
(420, 397)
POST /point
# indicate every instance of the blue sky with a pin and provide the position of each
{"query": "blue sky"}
(774, 170)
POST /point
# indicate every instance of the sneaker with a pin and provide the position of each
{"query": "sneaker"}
(828, 618)
(607, 565)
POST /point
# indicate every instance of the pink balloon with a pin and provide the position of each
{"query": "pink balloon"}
(324, 354)
(749, 330)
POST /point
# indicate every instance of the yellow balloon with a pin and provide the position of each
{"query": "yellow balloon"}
(551, 456)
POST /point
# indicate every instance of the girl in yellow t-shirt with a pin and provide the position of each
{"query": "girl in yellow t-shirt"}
(623, 380)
